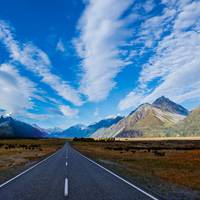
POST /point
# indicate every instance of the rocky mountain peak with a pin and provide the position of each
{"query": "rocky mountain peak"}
(168, 105)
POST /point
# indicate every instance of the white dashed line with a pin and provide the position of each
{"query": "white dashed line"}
(66, 153)
(66, 187)
(66, 180)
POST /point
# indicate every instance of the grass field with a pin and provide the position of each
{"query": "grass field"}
(16, 155)
(168, 168)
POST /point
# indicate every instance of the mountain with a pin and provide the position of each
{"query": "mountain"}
(190, 126)
(104, 123)
(54, 130)
(168, 105)
(50, 132)
(40, 129)
(11, 128)
(146, 121)
(85, 131)
(78, 130)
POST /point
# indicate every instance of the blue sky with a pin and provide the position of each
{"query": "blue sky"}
(64, 62)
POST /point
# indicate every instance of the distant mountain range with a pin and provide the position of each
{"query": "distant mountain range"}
(148, 120)
(80, 130)
(11, 128)
(160, 119)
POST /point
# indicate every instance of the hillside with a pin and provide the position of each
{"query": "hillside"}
(170, 106)
(11, 128)
(146, 120)
(80, 130)
(190, 126)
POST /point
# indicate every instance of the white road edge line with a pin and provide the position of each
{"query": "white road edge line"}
(66, 187)
(29, 169)
(132, 185)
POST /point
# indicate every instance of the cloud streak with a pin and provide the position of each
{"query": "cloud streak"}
(16, 90)
(37, 61)
(175, 66)
(103, 33)
(67, 111)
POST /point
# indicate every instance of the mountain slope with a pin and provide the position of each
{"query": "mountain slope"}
(190, 126)
(85, 131)
(104, 123)
(147, 121)
(78, 130)
(11, 128)
(168, 105)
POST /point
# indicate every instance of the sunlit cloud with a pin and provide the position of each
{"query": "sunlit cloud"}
(103, 33)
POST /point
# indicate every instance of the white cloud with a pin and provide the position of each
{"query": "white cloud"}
(96, 112)
(153, 28)
(60, 46)
(103, 31)
(16, 90)
(149, 5)
(188, 16)
(36, 61)
(175, 67)
(67, 111)
(132, 99)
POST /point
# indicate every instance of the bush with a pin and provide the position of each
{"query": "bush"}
(106, 140)
(84, 139)
(158, 153)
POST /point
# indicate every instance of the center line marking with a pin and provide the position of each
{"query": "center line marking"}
(66, 163)
(66, 187)
(66, 153)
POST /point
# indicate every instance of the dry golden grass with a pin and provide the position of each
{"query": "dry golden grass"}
(15, 153)
(159, 139)
(150, 160)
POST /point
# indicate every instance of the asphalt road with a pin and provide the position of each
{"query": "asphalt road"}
(69, 175)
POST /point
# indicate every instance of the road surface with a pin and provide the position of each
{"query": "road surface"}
(69, 175)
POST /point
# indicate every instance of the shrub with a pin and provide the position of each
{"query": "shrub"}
(84, 139)
(158, 153)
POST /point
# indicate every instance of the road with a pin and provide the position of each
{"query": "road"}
(69, 175)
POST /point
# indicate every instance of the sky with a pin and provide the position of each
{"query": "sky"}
(66, 62)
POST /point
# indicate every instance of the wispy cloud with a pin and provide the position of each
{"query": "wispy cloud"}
(67, 111)
(175, 66)
(148, 5)
(37, 61)
(104, 31)
(60, 46)
(16, 90)
(96, 112)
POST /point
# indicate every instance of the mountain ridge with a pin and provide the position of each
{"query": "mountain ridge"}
(190, 126)
(85, 131)
(170, 106)
(11, 128)
(146, 120)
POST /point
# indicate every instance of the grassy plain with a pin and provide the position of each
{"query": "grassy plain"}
(170, 168)
(17, 154)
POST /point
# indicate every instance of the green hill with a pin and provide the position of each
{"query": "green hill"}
(190, 126)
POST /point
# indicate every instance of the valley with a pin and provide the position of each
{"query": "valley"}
(18, 154)
(162, 118)
(168, 168)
